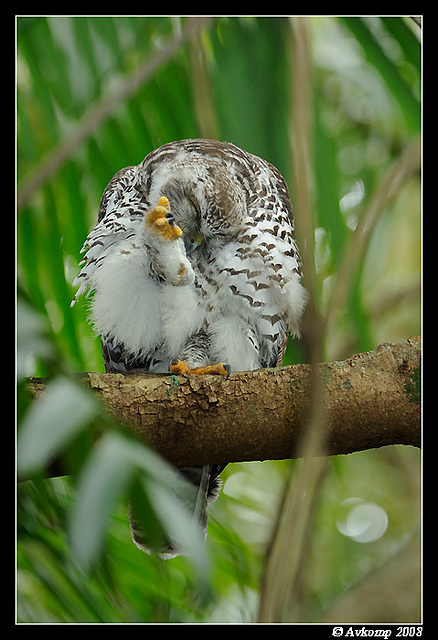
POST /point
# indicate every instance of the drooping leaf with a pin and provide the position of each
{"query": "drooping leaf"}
(116, 462)
(388, 70)
(52, 422)
(104, 479)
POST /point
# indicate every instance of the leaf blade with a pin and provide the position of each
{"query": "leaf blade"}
(42, 434)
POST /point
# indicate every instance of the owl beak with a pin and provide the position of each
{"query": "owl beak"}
(192, 242)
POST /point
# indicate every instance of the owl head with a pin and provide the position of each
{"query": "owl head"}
(207, 197)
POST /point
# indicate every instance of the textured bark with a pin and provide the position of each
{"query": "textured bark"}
(370, 400)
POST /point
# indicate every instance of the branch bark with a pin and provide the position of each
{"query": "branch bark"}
(369, 400)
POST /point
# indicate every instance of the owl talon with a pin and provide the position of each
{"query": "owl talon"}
(161, 220)
(179, 366)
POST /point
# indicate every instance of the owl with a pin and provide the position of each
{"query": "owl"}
(194, 269)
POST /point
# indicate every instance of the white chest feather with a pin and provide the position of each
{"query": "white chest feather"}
(138, 311)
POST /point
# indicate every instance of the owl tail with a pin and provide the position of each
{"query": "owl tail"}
(204, 485)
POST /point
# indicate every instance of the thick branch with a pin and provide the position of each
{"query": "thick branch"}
(370, 400)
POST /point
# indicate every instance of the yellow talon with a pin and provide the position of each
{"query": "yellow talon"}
(179, 366)
(164, 202)
(156, 217)
(222, 369)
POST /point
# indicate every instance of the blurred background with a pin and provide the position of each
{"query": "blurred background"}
(95, 94)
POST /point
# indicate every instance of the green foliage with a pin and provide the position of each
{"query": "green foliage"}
(76, 561)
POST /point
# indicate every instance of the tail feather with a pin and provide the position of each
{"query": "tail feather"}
(207, 484)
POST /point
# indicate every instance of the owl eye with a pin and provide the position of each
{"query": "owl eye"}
(192, 242)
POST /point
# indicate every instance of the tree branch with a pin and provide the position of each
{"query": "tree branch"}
(370, 400)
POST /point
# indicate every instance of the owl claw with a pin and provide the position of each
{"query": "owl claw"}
(161, 220)
(222, 369)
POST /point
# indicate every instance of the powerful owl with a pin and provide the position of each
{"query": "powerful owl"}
(195, 269)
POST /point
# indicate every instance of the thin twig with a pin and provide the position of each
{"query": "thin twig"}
(102, 110)
(205, 109)
(283, 575)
